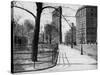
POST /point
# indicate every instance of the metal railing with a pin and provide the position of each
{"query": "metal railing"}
(22, 62)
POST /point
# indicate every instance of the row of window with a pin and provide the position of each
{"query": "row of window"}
(92, 12)
(82, 12)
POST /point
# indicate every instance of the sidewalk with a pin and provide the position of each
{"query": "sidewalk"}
(89, 49)
(74, 56)
(70, 60)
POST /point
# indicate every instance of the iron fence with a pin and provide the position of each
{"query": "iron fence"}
(22, 57)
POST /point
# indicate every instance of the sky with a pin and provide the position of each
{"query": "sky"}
(46, 17)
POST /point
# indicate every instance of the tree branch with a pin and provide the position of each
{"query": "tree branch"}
(25, 10)
(49, 7)
(58, 11)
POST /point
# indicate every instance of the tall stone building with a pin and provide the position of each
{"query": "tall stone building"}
(56, 21)
(86, 24)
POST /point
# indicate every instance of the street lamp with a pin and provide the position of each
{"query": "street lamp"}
(82, 39)
(82, 43)
(81, 49)
(72, 35)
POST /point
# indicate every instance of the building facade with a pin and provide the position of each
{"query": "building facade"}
(69, 38)
(86, 24)
(56, 21)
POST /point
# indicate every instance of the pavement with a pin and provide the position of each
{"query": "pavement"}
(71, 60)
(74, 56)
(89, 49)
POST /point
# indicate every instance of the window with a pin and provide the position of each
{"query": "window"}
(92, 9)
(91, 14)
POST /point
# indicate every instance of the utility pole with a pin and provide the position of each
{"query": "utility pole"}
(72, 35)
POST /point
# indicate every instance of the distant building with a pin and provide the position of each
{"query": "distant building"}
(86, 24)
(56, 18)
(56, 21)
(68, 37)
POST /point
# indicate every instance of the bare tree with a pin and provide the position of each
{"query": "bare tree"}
(29, 25)
(50, 31)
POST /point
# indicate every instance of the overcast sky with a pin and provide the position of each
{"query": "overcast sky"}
(67, 10)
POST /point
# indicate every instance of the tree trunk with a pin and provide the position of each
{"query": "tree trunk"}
(36, 32)
(12, 36)
(60, 24)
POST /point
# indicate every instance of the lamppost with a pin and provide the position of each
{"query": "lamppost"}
(82, 44)
(72, 35)
(82, 33)
(81, 49)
